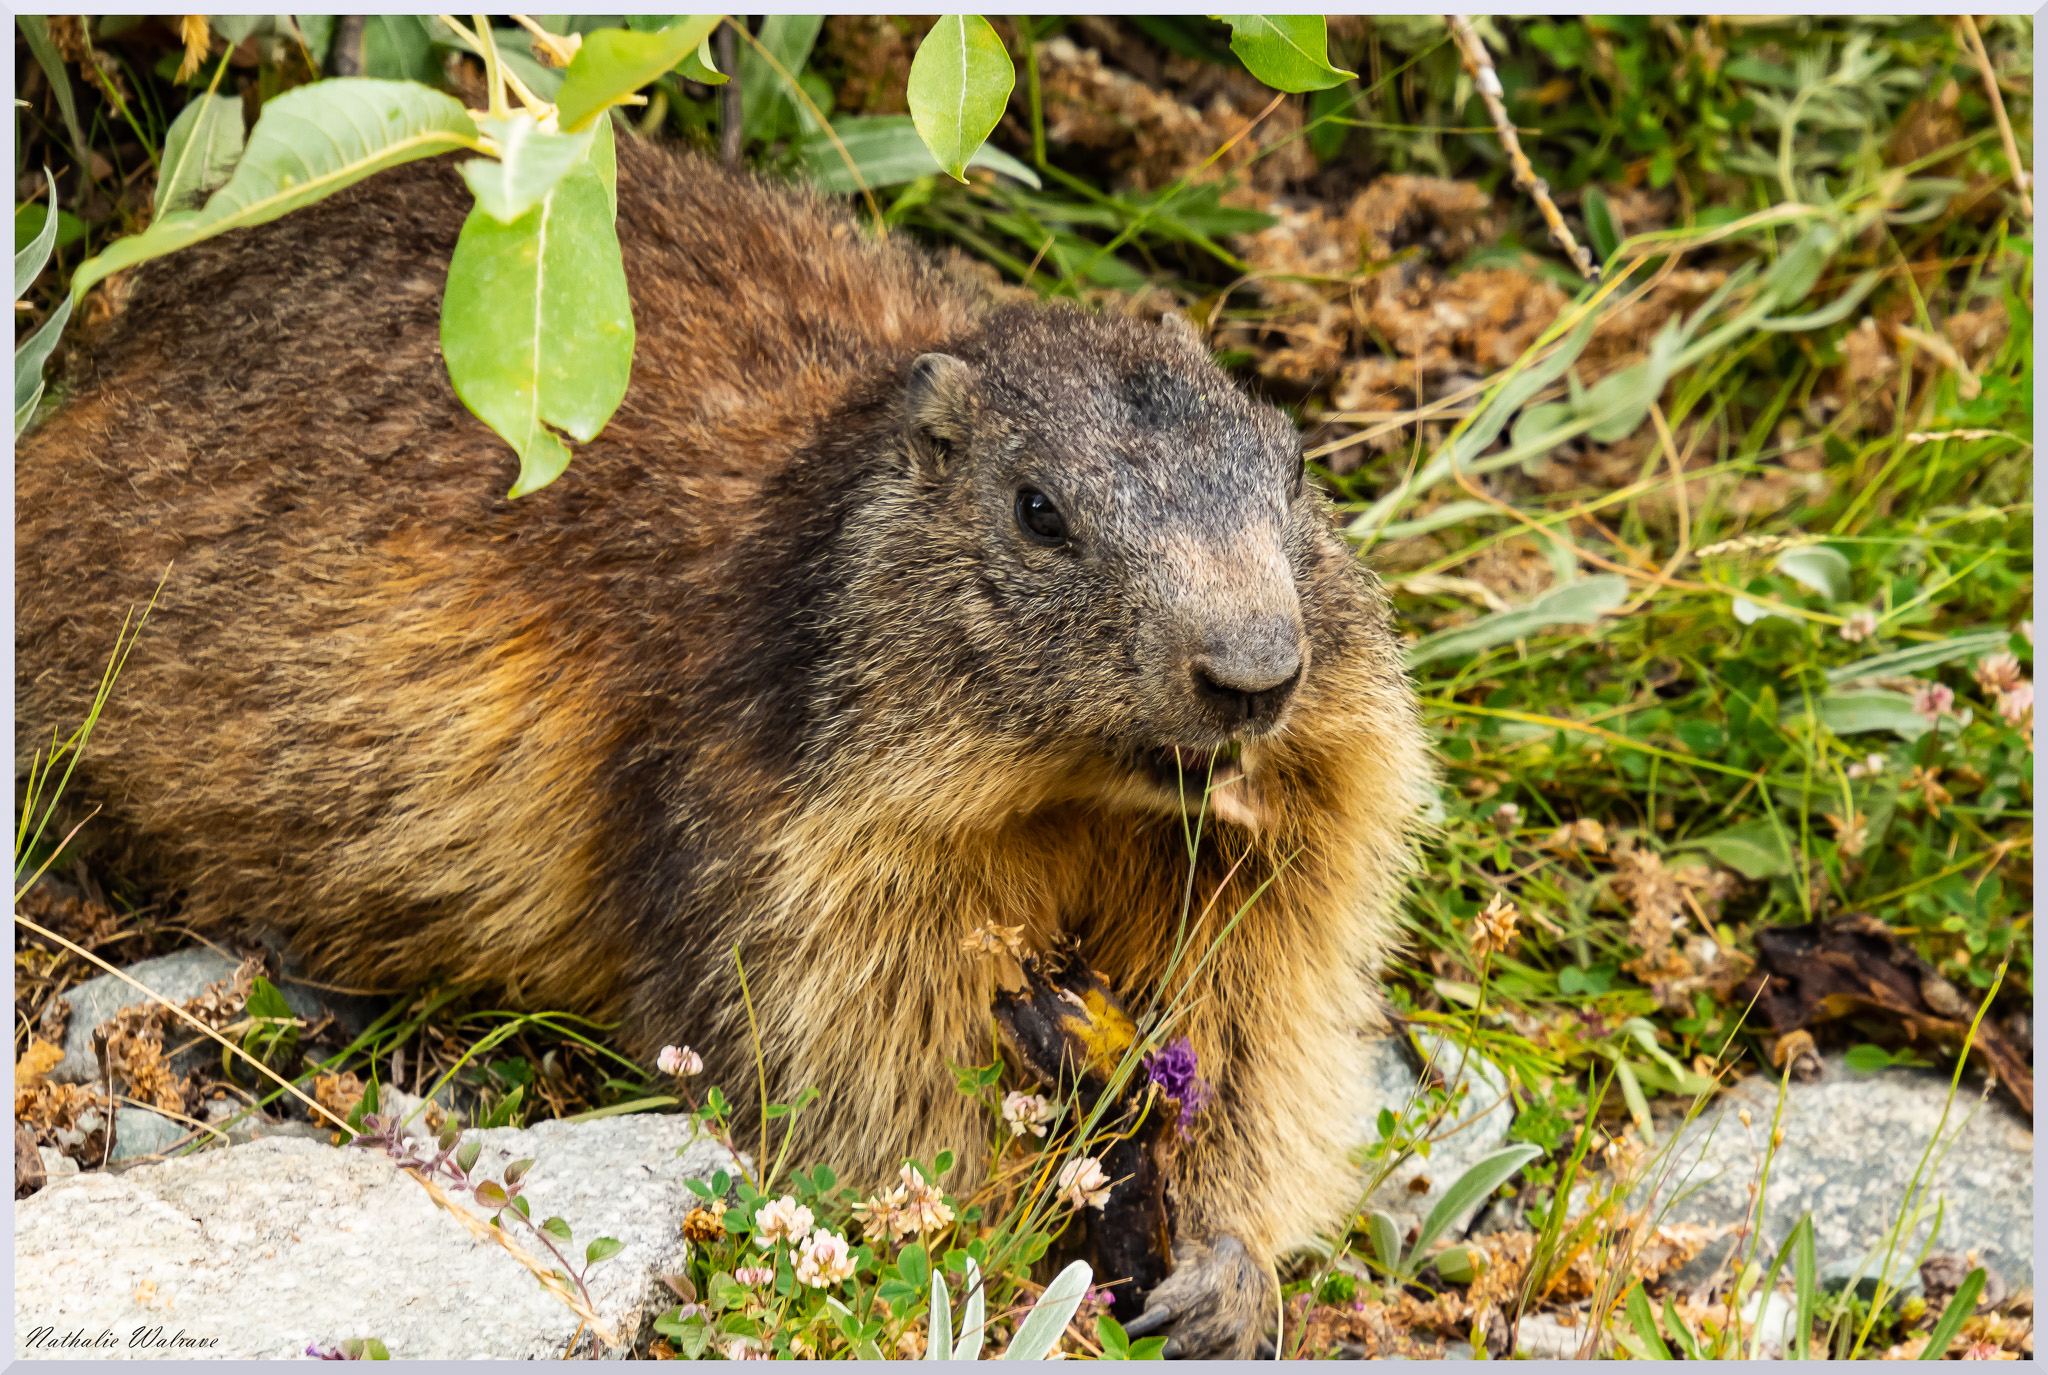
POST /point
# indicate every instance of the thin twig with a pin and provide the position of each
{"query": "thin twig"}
(1480, 68)
(2020, 179)
(729, 130)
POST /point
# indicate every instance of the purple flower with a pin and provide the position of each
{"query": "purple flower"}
(1173, 1069)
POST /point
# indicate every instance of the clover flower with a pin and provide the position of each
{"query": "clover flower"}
(1027, 1112)
(679, 1060)
(1998, 673)
(1083, 1183)
(751, 1275)
(1867, 767)
(2016, 703)
(1860, 625)
(783, 1220)
(826, 1260)
(1934, 700)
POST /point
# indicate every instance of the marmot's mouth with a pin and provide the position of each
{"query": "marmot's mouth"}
(1183, 771)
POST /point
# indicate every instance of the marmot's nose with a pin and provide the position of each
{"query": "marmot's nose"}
(1248, 675)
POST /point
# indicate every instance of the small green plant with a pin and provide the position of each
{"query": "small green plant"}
(1470, 1189)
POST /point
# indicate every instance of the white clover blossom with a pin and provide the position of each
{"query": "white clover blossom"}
(826, 1260)
(1083, 1183)
(783, 1220)
(679, 1060)
(1859, 625)
(1027, 1112)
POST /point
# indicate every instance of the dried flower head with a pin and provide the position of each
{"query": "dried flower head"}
(1083, 1183)
(1585, 833)
(783, 1220)
(1851, 832)
(1859, 625)
(826, 1260)
(1927, 783)
(1934, 700)
(993, 939)
(1997, 673)
(1506, 817)
(1027, 1112)
(679, 1060)
(1495, 927)
(1175, 1069)
(705, 1225)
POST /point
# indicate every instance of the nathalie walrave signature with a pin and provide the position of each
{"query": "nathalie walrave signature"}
(141, 1339)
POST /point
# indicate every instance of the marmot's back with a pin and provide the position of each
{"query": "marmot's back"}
(268, 414)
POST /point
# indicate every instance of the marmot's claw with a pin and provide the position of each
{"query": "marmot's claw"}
(1215, 1301)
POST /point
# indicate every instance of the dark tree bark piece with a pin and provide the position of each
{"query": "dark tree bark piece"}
(345, 53)
(1066, 1029)
(1825, 970)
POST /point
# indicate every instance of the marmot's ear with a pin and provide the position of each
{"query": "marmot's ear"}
(939, 401)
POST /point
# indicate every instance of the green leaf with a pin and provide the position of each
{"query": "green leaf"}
(913, 1264)
(1680, 1333)
(309, 143)
(939, 1347)
(1850, 711)
(1386, 1241)
(265, 1001)
(1040, 1331)
(1755, 849)
(1575, 603)
(1600, 228)
(1952, 1317)
(604, 1248)
(1867, 1059)
(1289, 52)
(763, 92)
(536, 323)
(1473, 1186)
(30, 259)
(1458, 1265)
(1901, 663)
(200, 152)
(528, 166)
(557, 1228)
(516, 1171)
(1116, 1343)
(374, 1350)
(491, 1194)
(1818, 567)
(1804, 1283)
(29, 220)
(28, 364)
(465, 1159)
(1644, 1321)
(972, 1316)
(397, 47)
(960, 82)
(702, 65)
(886, 151)
(36, 29)
(611, 64)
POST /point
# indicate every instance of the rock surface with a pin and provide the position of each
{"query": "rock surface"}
(1476, 1128)
(1852, 1143)
(184, 974)
(265, 1248)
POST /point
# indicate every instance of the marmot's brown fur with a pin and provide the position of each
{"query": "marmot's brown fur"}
(791, 660)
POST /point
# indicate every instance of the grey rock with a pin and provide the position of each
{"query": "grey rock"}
(268, 1247)
(178, 976)
(1472, 1131)
(140, 1134)
(1852, 1144)
(56, 1164)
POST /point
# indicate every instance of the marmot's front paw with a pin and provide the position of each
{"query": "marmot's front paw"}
(1214, 1304)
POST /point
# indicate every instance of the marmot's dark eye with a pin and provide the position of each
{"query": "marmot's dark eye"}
(1039, 518)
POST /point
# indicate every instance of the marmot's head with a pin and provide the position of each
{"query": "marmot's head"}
(1126, 540)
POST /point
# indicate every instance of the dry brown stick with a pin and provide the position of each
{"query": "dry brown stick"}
(2020, 179)
(1478, 66)
(476, 1226)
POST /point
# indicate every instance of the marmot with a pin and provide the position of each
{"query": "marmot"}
(877, 616)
